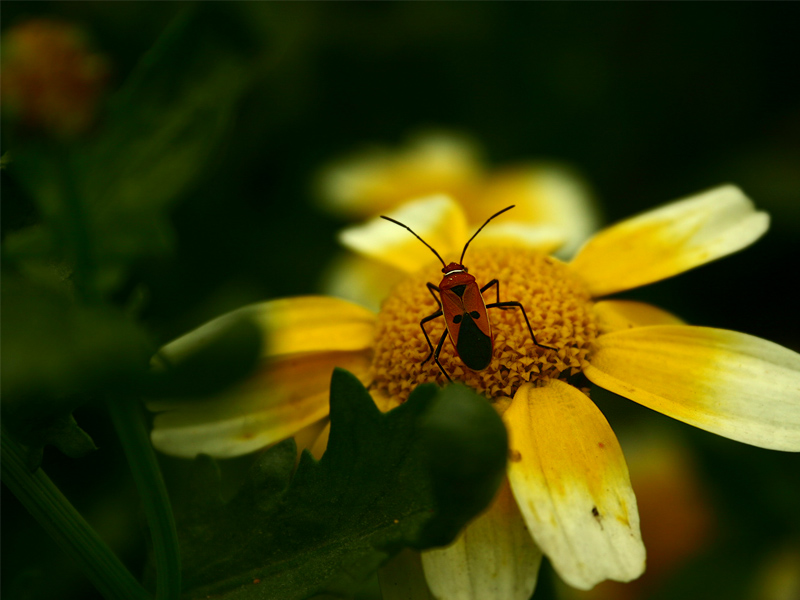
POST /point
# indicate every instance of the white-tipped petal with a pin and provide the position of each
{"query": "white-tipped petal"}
(571, 483)
(494, 557)
(669, 240)
(436, 219)
(732, 384)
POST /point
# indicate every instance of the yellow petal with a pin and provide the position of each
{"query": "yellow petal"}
(321, 443)
(361, 280)
(291, 325)
(285, 396)
(316, 323)
(613, 315)
(313, 438)
(402, 578)
(438, 220)
(494, 557)
(384, 402)
(544, 194)
(376, 181)
(729, 383)
(571, 483)
(544, 238)
(669, 240)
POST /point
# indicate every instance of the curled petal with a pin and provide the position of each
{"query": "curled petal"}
(571, 483)
(289, 325)
(436, 219)
(669, 240)
(732, 384)
(285, 396)
(494, 558)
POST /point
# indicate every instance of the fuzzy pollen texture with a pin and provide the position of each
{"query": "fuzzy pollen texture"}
(557, 303)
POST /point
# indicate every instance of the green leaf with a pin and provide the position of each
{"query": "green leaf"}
(45, 502)
(334, 522)
(55, 347)
(468, 445)
(56, 354)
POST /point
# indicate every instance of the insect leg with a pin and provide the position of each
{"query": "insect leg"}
(436, 355)
(435, 290)
(495, 282)
(430, 317)
(514, 304)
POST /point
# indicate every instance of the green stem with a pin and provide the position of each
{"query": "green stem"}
(75, 219)
(67, 527)
(129, 422)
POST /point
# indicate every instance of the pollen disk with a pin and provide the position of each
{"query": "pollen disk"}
(557, 304)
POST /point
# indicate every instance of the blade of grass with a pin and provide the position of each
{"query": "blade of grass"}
(67, 527)
(129, 422)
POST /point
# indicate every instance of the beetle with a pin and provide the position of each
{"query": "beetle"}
(461, 303)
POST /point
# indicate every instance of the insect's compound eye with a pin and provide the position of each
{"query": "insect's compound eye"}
(457, 319)
(474, 314)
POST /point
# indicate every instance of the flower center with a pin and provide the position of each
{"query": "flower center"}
(558, 306)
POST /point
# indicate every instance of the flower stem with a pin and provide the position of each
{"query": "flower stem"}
(67, 527)
(126, 413)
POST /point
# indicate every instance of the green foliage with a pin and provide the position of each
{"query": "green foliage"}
(69, 335)
(468, 445)
(376, 490)
(102, 203)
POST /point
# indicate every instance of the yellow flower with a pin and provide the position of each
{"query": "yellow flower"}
(568, 493)
(554, 210)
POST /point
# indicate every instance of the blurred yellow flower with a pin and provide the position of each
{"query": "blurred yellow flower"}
(52, 81)
(554, 209)
(569, 494)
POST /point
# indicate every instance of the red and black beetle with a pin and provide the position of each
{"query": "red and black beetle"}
(461, 303)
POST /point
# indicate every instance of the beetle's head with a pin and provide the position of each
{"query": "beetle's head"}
(454, 267)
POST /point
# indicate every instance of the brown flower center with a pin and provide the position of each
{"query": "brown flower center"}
(557, 304)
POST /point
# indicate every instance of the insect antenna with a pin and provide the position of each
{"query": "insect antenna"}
(419, 238)
(497, 214)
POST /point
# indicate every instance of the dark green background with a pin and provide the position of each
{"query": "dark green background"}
(649, 101)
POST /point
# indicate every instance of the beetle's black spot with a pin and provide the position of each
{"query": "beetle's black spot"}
(457, 319)
(475, 314)
(474, 346)
(595, 512)
(458, 289)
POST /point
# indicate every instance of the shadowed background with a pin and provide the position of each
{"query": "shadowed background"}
(650, 102)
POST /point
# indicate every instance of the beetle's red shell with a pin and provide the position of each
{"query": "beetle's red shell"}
(461, 297)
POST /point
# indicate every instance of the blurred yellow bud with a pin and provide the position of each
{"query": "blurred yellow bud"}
(52, 81)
